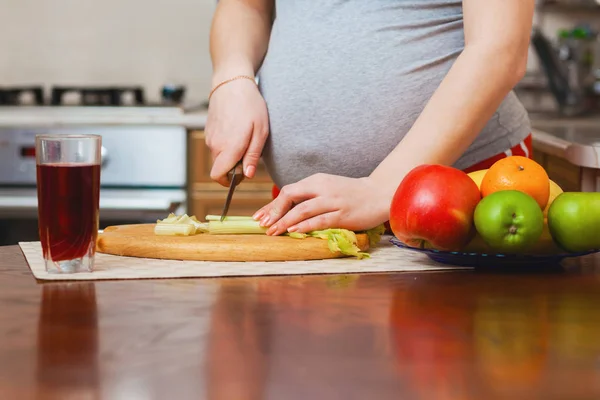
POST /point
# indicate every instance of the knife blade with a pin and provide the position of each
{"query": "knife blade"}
(236, 175)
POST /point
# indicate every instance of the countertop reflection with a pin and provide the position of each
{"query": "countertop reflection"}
(442, 335)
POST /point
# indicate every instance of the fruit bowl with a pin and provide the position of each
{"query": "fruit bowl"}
(469, 259)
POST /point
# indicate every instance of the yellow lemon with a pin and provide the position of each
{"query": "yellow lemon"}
(477, 176)
(555, 190)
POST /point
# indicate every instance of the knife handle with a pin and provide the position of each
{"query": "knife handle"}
(236, 173)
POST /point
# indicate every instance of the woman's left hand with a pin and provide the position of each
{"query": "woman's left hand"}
(324, 201)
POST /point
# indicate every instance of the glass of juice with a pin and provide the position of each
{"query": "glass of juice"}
(68, 188)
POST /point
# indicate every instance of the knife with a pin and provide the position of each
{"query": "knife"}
(235, 177)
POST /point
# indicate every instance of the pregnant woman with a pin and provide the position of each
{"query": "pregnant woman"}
(353, 94)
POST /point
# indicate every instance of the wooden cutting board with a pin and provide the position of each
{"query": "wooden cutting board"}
(140, 241)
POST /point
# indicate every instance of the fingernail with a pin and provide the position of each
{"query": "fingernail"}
(265, 221)
(258, 215)
(292, 229)
(250, 170)
(272, 230)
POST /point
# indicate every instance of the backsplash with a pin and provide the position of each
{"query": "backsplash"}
(139, 42)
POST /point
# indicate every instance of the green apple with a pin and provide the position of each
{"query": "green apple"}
(509, 221)
(574, 221)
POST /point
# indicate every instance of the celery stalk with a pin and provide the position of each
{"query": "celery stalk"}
(232, 218)
(233, 227)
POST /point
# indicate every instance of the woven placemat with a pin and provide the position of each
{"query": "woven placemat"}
(384, 258)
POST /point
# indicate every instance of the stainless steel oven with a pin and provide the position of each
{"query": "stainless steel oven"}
(144, 159)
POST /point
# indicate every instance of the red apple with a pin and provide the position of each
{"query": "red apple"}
(433, 208)
(274, 192)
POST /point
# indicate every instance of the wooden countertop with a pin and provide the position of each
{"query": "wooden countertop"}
(447, 335)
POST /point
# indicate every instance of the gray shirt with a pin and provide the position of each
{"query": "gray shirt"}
(344, 81)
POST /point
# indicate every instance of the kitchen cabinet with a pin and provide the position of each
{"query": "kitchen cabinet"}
(570, 177)
(207, 197)
(570, 153)
(566, 175)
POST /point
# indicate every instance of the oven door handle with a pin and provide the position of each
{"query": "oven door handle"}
(121, 204)
(146, 204)
(18, 202)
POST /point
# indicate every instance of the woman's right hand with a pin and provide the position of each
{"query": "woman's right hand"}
(236, 128)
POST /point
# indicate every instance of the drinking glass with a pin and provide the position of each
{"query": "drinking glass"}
(68, 187)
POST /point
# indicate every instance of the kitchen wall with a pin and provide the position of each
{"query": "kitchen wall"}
(551, 20)
(107, 42)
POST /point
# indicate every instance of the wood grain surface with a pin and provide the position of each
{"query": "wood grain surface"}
(140, 241)
(443, 335)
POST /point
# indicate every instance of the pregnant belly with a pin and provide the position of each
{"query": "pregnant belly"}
(338, 144)
(344, 132)
(338, 118)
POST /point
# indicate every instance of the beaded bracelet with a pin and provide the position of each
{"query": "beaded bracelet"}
(230, 80)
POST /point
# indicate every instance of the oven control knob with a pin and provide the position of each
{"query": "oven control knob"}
(103, 156)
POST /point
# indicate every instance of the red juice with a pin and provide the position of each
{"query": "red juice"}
(68, 200)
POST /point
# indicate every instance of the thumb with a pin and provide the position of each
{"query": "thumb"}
(254, 151)
(222, 164)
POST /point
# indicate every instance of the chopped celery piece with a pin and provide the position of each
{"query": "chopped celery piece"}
(319, 234)
(201, 228)
(340, 240)
(296, 235)
(375, 235)
(191, 221)
(232, 218)
(174, 229)
(172, 219)
(240, 227)
(344, 241)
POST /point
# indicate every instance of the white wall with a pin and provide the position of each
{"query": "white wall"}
(147, 42)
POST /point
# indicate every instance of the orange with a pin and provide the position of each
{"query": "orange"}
(518, 173)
